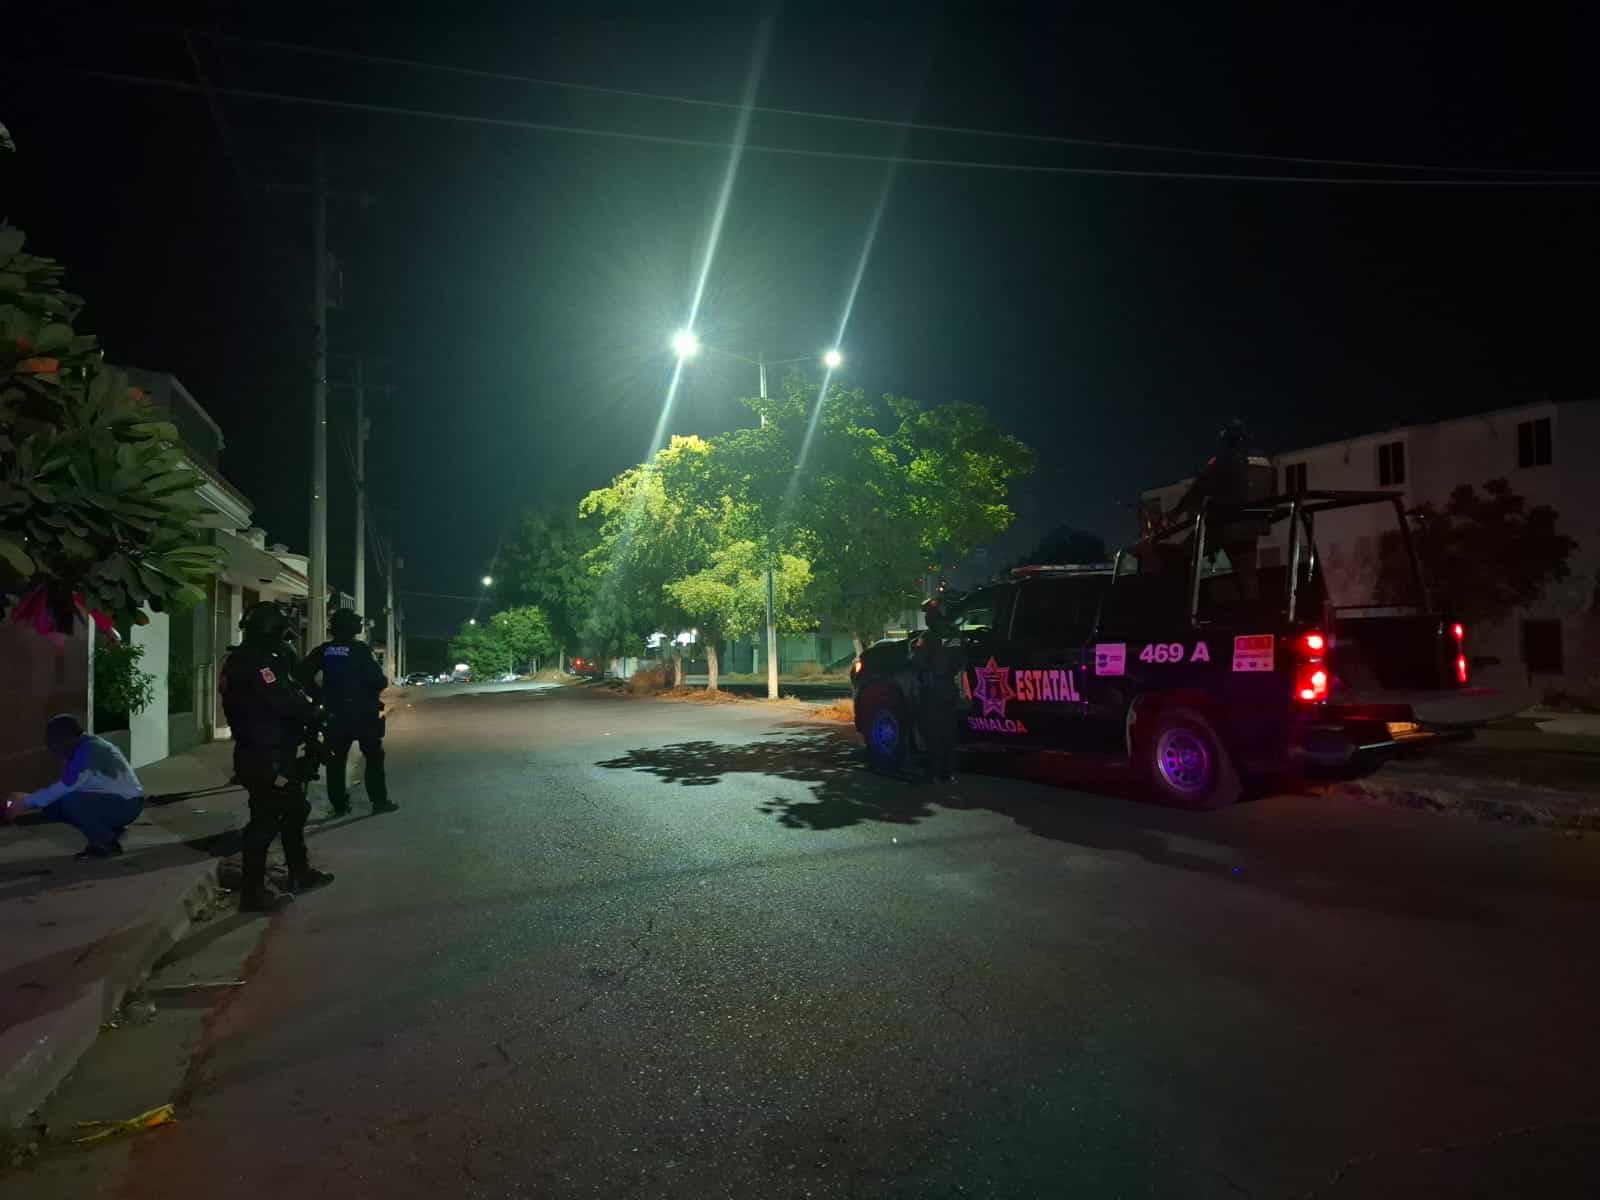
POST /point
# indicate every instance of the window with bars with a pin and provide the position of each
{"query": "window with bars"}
(1533, 443)
(1391, 464)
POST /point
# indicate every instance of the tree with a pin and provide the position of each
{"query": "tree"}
(1064, 544)
(656, 523)
(506, 641)
(481, 648)
(96, 501)
(869, 493)
(728, 599)
(524, 632)
(545, 565)
(1482, 555)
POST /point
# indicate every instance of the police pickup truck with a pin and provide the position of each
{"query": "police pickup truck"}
(1214, 651)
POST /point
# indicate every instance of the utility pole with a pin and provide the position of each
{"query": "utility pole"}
(772, 620)
(392, 657)
(361, 487)
(317, 548)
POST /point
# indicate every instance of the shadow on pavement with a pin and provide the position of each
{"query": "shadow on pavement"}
(22, 878)
(1370, 861)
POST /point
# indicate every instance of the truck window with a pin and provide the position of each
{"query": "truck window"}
(1058, 611)
(986, 612)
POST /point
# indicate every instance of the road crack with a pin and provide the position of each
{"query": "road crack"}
(638, 954)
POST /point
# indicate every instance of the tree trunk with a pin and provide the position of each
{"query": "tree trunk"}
(711, 664)
(677, 665)
(860, 643)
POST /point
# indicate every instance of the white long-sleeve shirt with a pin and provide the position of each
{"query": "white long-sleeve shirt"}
(95, 765)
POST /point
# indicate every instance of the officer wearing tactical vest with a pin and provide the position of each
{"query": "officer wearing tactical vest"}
(344, 676)
(268, 715)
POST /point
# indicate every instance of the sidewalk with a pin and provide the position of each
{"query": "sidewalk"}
(75, 937)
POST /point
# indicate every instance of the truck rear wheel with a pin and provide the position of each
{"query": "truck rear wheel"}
(1187, 763)
(887, 730)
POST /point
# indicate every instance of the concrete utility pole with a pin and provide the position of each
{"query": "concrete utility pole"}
(317, 547)
(772, 619)
(361, 487)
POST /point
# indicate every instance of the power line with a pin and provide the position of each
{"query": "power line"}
(880, 122)
(439, 596)
(844, 155)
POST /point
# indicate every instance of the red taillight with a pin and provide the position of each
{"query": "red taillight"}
(1461, 667)
(1315, 642)
(1313, 685)
(1459, 631)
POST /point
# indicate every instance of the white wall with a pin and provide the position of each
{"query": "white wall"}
(147, 730)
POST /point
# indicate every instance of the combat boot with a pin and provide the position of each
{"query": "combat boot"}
(263, 899)
(309, 878)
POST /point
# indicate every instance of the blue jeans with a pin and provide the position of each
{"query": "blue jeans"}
(99, 816)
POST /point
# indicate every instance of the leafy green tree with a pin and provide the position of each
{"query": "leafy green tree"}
(869, 493)
(728, 598)
(656, 523)
(96, 501)
(1484, 555)
(507, 641)
(545, 564)
(525, 633)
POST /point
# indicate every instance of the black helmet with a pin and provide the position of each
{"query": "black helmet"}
(345, 622)
(264, 620)
(1233, 433)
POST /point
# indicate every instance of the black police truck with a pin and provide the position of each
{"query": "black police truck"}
(1219, 649)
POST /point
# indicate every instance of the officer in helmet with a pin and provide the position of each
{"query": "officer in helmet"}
(268, 714)
(344, 676)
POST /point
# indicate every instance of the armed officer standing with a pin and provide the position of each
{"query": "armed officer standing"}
(344, 676)
(269, 716)
(937, 667)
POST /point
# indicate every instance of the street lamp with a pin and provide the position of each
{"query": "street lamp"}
(472, 620)
(488, 581)
(686, 345)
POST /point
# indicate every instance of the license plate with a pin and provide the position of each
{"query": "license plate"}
(1401, 728)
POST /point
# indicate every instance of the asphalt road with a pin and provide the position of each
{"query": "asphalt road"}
(615, 947)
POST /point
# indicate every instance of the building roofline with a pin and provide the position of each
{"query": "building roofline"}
(1466, 418)
(1277, 456)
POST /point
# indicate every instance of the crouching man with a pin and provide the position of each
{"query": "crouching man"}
(98, 794)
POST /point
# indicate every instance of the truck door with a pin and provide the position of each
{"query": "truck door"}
(1050, 634)
(988, 709)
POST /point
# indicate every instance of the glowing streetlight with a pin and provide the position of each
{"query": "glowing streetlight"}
(488, 581)
(472, 620)
(685, 344)
(833, 359)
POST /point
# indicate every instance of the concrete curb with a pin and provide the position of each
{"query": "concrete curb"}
(40, 1053)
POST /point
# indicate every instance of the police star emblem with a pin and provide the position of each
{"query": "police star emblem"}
(993, 688)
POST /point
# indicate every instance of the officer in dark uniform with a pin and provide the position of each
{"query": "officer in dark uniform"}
(936, 667)
(344, 676)
(1225, 480)
(269, 716)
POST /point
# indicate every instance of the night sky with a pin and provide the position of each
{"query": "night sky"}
(520, 287)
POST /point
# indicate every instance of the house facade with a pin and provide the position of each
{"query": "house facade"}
(184, 650)
(1549, 452)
